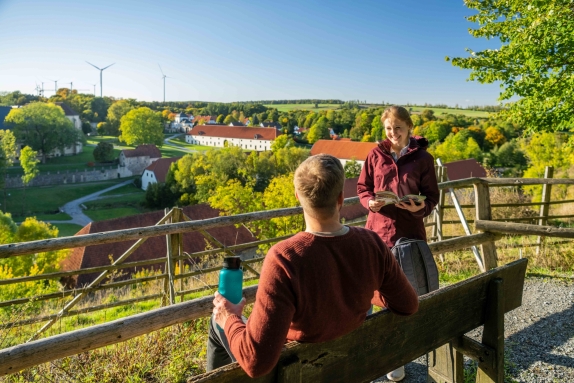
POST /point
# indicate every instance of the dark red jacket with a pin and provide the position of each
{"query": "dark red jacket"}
(413, 173)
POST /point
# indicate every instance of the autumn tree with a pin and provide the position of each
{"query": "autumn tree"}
(43, 127)
(534, 61)
(141, 126)
(457, 147)
(282, 141)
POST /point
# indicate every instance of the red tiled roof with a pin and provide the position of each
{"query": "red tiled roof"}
(343, 150)
(354, 211)
(143, 150)
(154, 247)
(226, 131)
(161, 167)
(458, 170)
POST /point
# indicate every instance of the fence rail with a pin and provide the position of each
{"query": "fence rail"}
(174, 224)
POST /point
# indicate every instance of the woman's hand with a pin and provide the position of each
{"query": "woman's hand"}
(223, 309)
(375, 206)
(412, 207)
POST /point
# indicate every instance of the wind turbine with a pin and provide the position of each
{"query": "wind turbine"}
(101, 70)
(55, 86)
(164, 77)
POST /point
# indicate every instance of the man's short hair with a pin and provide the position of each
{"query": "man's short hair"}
(319, 180)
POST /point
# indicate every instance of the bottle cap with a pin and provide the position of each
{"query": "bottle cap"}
(232, 263)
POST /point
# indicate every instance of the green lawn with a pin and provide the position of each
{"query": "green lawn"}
(53, 217)
(116, 212)
(127, 189)
(439, 111)
(288, 107)
(47, 199)
(65, 163)
(181, 142)
(166, 151)
(67, 229)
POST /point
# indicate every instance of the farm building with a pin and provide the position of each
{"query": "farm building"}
(157, 171)
(257, 139)
(344, 150)
(134, 161)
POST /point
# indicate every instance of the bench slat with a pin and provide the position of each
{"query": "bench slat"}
(386, 341)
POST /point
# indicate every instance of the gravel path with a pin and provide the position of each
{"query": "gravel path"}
(539, 336)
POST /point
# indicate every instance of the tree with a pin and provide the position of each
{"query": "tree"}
(229, 119)
(29, 162)
(141, 126)
(494, 136)
(534, 61)
(220, 119)
(457, 147)
(32, 264)
(115, 114)
(282, 141)
(43, 127)
(318, 131)
(352, 168)
(104, 152)
(7, 156)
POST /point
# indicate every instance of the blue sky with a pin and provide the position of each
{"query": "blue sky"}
(221, 50)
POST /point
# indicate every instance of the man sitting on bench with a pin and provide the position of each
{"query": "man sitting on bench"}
(315, 286)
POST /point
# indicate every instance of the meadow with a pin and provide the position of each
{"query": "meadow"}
(289, 107)
(439, 111)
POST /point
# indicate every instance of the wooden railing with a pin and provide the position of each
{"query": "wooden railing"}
(487, 233)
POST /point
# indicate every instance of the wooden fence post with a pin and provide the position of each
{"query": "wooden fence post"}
(483, 212)
(172, 241)
(439, 212)
(545, 207)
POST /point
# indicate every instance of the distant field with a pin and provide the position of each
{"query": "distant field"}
(288, 107)
(439, 111)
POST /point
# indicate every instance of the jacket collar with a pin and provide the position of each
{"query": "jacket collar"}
(415, 143)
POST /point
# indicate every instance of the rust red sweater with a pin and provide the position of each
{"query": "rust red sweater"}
(314, 289)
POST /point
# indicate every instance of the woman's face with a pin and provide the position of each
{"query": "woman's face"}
(397, 131)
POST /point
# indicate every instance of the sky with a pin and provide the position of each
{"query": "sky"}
(236, 50)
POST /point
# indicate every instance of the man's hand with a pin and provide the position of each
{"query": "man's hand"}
(375, 206)
(223, 309)
(412, 207)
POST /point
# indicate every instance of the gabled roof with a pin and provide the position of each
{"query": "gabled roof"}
(236, 123)
(344, 150)
(69, 112)
(148, 150)
(154, 247)
(458, 170)
(225, 131)
(275, 125)
(161, 167)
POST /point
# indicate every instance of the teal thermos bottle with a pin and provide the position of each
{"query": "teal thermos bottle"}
(231, 280)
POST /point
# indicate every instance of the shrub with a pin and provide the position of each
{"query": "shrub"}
(104, 152)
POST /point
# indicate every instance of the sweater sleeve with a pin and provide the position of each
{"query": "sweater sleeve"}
(366, 182)
(428, 187)
(396, 292)
(258, 344)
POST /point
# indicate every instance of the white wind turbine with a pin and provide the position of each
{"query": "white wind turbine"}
(101, 70)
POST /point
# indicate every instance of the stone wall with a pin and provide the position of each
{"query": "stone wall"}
(71, 177)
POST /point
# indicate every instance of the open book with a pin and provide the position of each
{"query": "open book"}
(389, 198)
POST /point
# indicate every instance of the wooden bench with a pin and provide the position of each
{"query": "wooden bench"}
(386, 341)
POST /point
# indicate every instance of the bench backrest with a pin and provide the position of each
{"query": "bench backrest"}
(386, 341)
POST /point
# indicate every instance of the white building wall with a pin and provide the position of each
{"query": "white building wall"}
(219, 142)
(148, 178)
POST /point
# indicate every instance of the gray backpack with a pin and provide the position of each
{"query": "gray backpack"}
(418, 264)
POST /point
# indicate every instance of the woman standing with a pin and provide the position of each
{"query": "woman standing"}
(400, 164)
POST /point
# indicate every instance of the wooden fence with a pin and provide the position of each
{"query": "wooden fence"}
(173, 225)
